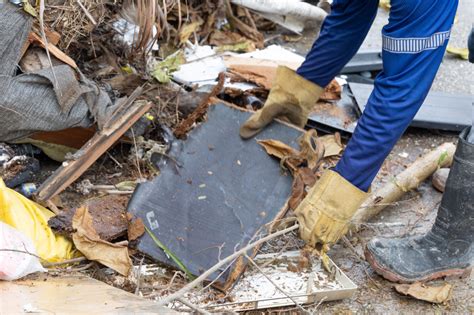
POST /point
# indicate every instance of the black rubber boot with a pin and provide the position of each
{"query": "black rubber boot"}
(447, 249)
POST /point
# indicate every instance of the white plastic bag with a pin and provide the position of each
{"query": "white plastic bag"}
(15, 265)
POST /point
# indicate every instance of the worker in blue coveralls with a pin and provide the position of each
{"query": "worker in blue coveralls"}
(414, 42)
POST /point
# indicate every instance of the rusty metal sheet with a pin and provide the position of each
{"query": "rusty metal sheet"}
(341, 115)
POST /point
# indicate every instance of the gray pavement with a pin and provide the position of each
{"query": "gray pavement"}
(454, 75)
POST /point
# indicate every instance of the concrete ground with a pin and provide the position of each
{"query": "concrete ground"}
(414, 216)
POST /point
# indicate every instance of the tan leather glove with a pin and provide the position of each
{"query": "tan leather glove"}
(325, 213)
(291, 97)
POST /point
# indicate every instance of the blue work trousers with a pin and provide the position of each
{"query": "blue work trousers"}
(414, 42)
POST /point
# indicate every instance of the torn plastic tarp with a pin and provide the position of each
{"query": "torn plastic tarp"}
(42, 101)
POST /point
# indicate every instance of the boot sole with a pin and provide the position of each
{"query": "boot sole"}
(393, 277)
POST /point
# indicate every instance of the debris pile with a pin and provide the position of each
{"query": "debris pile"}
(121, 160)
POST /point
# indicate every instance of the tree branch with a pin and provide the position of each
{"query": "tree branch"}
(216, 267)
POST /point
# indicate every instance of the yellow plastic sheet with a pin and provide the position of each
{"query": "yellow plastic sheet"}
(32, 219)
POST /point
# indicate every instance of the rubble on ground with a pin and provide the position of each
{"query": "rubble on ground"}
(120, 158)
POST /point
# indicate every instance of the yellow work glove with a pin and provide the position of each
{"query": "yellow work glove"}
(291, 97)
(325, 213)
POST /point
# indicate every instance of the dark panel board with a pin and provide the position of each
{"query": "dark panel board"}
(364, 61)
(217, 195)
(341, 115)
(444, 111)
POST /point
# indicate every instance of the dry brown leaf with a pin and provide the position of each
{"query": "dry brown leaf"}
(33, 38)
(308, 176)
(248, 31)
(219, 38)
(312, 150)
(278, 148)
(332, 92)
(332, 145)
(420, 291)
(297, 192)
(88, 242)
(303, 177)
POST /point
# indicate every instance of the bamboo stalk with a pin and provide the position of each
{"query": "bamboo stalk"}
(407, 180)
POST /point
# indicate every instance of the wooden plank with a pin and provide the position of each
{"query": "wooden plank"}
(128, 113)
(71, 294)
(231, 61)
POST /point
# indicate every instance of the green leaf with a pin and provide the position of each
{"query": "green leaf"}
(126, 185)
(163, 70)
(28, 8)
(242, 47)
(176, 260)
(187, 30)
(442, 157)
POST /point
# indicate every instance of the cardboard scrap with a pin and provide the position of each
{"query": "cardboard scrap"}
(71, 294)
(421, 291)
(260, 75)
(264, 74)
(88, 242)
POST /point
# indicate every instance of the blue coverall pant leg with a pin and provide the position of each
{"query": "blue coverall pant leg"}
(342, 33)
(414, 42)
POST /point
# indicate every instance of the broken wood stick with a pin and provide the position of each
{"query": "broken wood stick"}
(193, 307)
(407, 180)
(33, 38)
(86, 12)
(178, 294)
(186, 125)
(123, 118)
